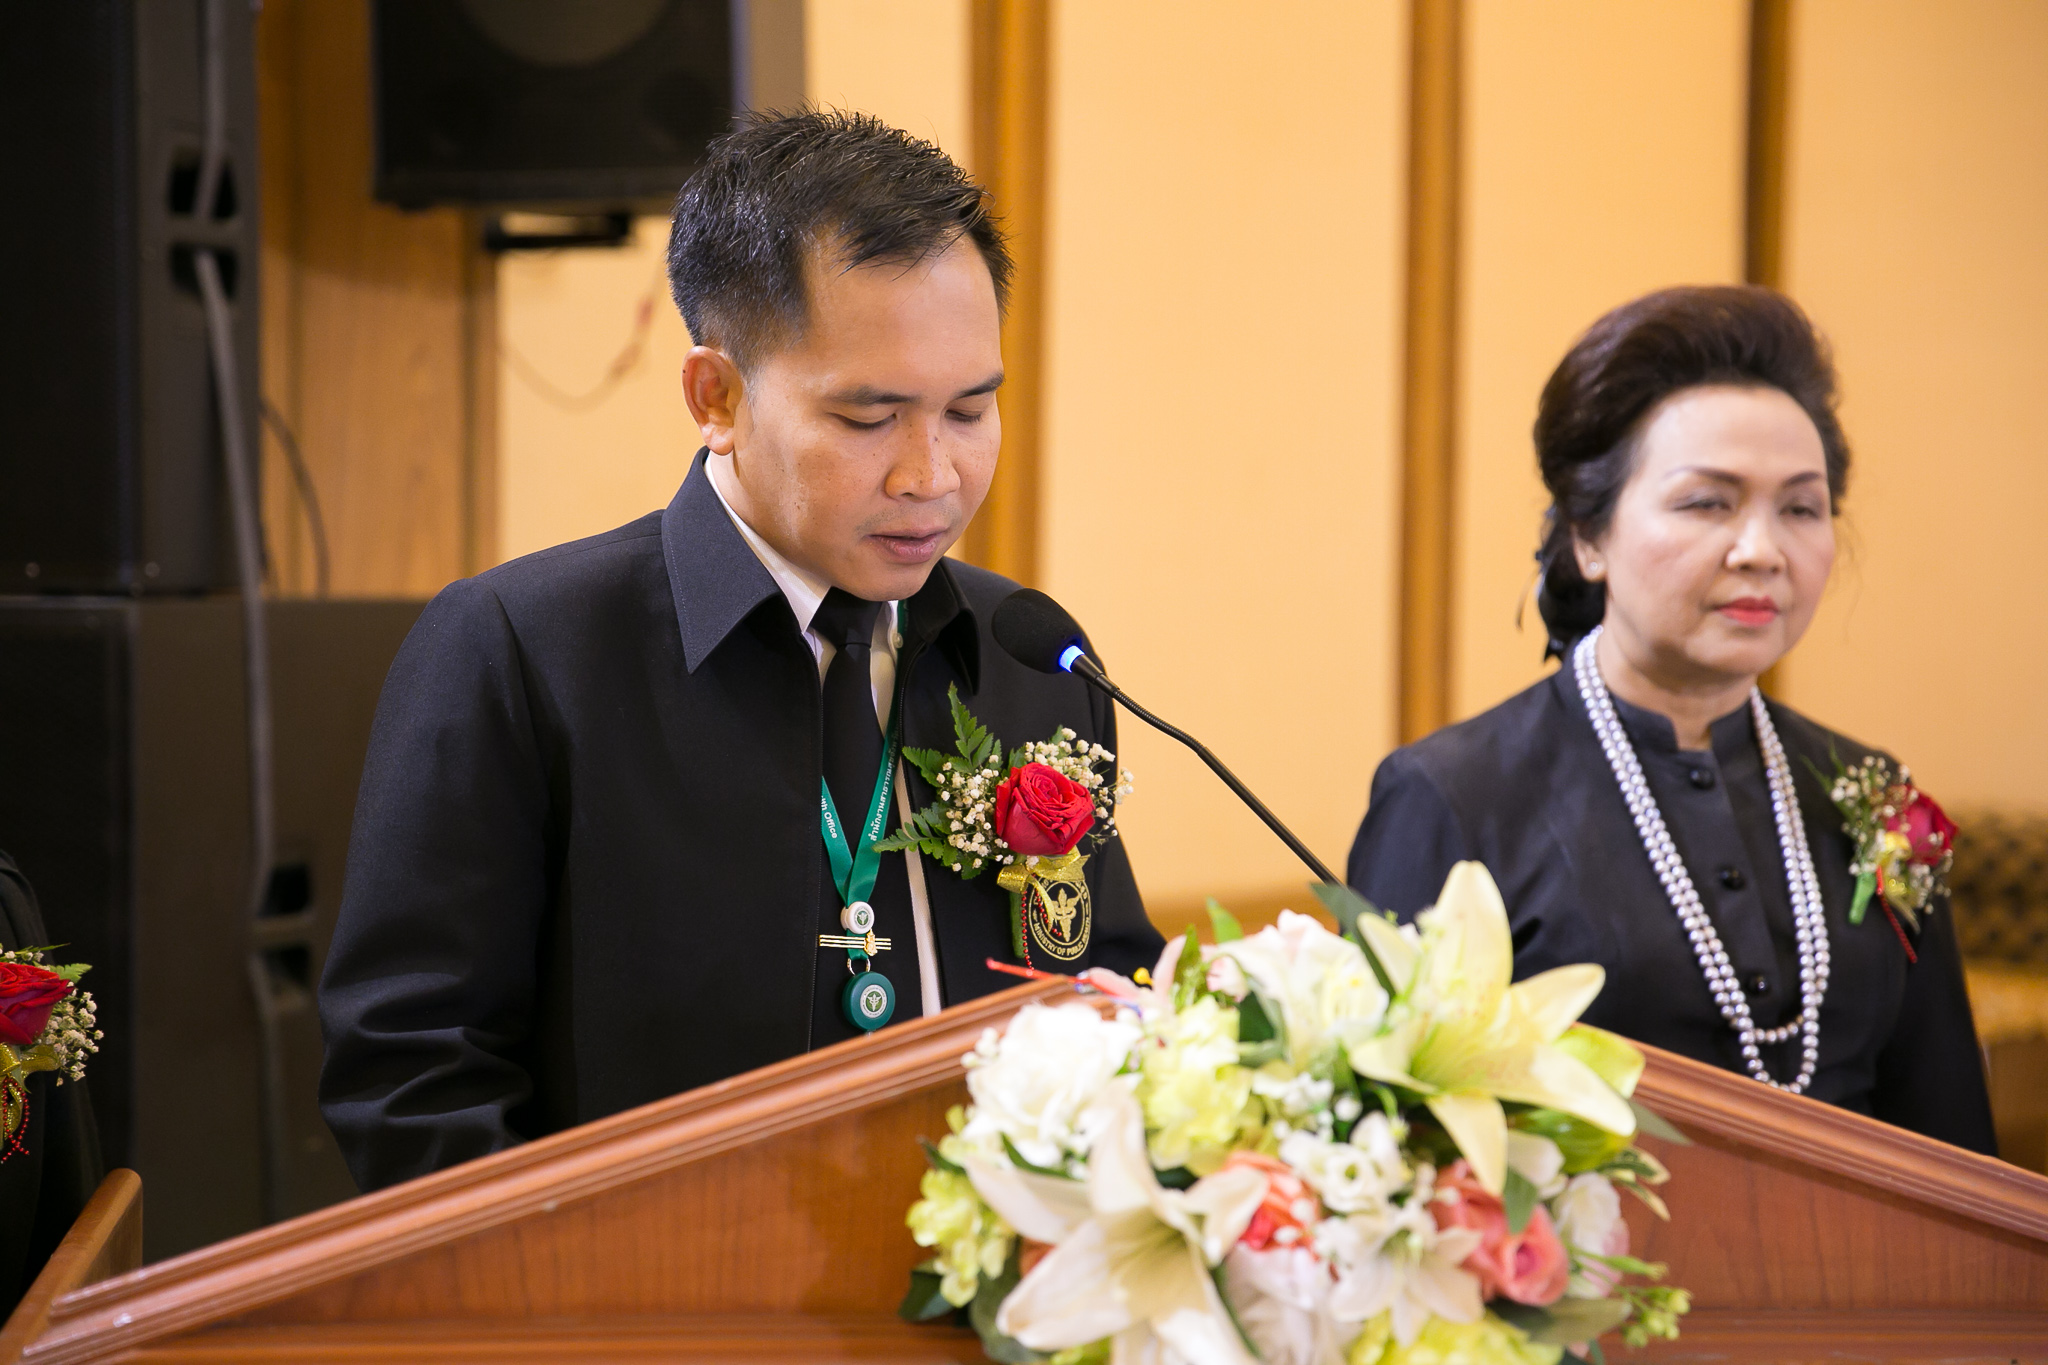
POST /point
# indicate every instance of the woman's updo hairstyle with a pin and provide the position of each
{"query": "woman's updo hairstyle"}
(1589, 421)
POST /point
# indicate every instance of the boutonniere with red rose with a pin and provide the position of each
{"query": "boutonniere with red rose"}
(46, 1024)
(1905, 842)
(1025, 812)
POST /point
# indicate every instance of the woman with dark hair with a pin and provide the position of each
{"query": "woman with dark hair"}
(1646, 807)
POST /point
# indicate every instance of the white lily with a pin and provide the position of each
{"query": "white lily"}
(1153, 998)
(1402, 1265)
(1466, 1037)
(1130, 1260)
(1325, 990)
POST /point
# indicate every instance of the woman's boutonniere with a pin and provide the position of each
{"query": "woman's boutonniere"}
(1025, 812)
(46, 1024)
(1905, 842)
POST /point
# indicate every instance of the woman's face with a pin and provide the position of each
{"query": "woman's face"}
(1721, 540)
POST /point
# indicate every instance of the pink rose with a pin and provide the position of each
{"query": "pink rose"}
(1926, 826)
(1529, 1266)
(1284, 1215)
(1042, 812)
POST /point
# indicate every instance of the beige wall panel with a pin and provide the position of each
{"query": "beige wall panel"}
(576, 455)
(1220, 441)
(1917, 235)
(905, 61)
(1603, 158)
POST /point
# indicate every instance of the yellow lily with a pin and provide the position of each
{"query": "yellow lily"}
(1466, 1037)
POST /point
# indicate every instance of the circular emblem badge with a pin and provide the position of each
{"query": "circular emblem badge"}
(858, 918)
(1059, 911)
(869, 1001)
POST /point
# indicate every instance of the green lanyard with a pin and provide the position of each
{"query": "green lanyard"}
(853, 872)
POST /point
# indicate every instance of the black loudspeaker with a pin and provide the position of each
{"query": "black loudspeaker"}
(547, 102)
(124, 796)
(111, 473)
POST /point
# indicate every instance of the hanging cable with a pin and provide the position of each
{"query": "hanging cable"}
(615, 373)
(309, 496)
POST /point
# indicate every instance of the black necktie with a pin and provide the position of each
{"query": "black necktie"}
(853, 735)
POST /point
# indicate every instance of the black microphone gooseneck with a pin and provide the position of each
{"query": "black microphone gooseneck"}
(1037, 632)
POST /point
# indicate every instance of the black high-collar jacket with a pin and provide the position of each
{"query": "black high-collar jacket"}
(585, 872)
(1526, 790)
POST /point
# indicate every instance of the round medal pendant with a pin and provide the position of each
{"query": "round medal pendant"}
(868, 1001)
(858, 918)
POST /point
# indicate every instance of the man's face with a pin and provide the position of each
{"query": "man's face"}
(862, 450)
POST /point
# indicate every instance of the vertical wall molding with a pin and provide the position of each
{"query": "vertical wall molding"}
(1428, 427)
(1763, 199)
(1011, 59)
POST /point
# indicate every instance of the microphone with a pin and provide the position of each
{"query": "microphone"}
(1037, 632)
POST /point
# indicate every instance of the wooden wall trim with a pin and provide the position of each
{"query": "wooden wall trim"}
(1011, 58)
(1763, 199)
(1428, 427)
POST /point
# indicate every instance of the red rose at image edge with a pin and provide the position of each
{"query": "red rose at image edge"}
(1042, 812)
(1926, 827)
(27, 995)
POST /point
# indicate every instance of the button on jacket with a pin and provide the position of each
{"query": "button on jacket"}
(1526, 790)
(586, 868)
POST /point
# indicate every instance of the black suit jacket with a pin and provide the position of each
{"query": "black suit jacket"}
(586, 872)
(44, 1189)
(1526, 790)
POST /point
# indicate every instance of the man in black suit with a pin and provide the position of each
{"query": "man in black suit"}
(588, 868)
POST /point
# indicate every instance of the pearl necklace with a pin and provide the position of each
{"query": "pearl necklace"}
(1809, 916)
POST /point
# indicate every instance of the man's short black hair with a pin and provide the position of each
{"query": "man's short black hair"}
(780, 187)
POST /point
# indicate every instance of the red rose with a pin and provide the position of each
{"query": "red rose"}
(1041, 811)
(27, 995)
(1926, 827)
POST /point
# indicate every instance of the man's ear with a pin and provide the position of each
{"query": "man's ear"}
(714, 388)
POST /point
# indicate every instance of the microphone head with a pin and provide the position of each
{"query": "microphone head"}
(1036, 631)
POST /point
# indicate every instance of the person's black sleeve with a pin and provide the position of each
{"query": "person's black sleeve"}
(1408, 842)
(1125, 939)
(427, 997)
(1930, 1075)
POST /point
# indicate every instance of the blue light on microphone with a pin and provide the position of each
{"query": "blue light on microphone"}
(1067, 657)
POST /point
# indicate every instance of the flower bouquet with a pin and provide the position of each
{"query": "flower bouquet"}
(1302, 1148)
(46, 1024)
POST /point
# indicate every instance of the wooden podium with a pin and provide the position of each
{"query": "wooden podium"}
(761, 1219)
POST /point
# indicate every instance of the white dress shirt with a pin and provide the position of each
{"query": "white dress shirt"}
(805, 593)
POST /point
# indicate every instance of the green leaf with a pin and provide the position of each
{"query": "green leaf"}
(988, 1299)
(939, 1163)
(1189, 977)
(1860, 902)
(1657, 1126)
(1518, 1198)
(924, 1301)
(1223, 923)
(1254, 1025)
(1344, 905)
(1563, 1322)
(1017, 1160)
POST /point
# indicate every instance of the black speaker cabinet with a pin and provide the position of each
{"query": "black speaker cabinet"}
(111, 476)
(546, 102)
(124, 796)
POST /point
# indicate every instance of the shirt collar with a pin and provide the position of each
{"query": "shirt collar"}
(719, 575)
